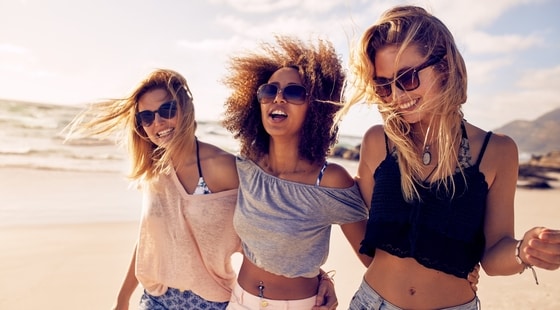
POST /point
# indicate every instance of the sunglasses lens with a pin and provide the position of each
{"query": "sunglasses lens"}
(295, 93)
(168, 110)
(408, 81)
(266, 93)
(145, 118)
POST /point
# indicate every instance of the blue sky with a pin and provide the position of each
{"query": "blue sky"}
(71, 51)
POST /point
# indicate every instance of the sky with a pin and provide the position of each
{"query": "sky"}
(78, 51)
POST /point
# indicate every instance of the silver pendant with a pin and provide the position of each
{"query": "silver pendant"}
(426, 157)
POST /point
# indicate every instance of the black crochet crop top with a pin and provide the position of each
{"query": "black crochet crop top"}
(440, 232)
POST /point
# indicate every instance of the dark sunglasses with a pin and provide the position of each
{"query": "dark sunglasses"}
(166, 110)
(407, 79)
(295, 94)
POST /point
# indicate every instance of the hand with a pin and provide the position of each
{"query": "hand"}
(326, 296)
(473, 276)
(542, 248)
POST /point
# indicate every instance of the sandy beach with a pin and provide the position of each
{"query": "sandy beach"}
(67, 239)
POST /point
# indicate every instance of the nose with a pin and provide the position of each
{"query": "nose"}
(279, 96)
(157, 118)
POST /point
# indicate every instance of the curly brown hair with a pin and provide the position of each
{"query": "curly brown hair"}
(322, 75)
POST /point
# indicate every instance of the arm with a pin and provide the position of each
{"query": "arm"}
(128, 286)
(372, 152)
(326, 296)
(354, 233)
(540, 247)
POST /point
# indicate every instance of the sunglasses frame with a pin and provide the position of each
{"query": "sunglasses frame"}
(296, 101)
(412, 73)
(170, 113)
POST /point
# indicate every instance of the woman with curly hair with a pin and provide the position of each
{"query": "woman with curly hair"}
(282, 109)
(183, 252)
(440, 190)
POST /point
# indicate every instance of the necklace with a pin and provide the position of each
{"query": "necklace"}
(426, 156)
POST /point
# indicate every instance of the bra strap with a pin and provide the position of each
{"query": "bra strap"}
(198, 159)
(320, 176)
(483, 149)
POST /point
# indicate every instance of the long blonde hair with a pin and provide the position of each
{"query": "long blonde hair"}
(117, 118)
(403, 27)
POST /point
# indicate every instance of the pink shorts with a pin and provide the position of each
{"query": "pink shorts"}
(242, 300)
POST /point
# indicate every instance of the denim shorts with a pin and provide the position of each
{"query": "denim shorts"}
(174, 299)
(366, 298)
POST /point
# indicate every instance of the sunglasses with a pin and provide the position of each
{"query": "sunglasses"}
(166, 110)
(407, 79)
(295, 94)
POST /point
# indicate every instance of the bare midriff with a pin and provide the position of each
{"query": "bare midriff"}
(409, 285)
(276, 287)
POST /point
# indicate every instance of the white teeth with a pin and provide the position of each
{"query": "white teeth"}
(278, 112)
(406, 105)
(164, 132)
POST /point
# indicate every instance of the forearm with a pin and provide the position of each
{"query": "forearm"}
(500, 260)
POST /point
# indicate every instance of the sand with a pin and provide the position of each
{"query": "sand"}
(79, 261)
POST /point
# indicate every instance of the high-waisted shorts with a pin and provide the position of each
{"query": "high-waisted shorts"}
(174, 299)
(242, 300)
(366, 298)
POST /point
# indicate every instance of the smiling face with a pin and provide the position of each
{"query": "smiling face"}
(409, 104)
(281, 117)
(161, 130)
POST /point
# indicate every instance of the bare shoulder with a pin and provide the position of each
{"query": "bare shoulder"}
(218, 167)
(336, 176)
(374, 136)
(499, 145)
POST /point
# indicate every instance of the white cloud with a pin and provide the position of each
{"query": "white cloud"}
(274, 6)
(482, 72)
(477, 42)
(544, 79)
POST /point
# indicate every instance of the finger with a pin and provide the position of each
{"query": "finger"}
(550, 235)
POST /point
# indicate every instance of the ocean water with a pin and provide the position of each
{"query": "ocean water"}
(31, 137)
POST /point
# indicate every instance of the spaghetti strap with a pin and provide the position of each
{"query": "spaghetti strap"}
(320, 176)
(198, 159)
(483, 149)
(386, 143)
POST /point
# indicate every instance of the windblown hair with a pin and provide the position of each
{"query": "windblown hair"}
(321, 73)
(403, 27)
(117, 118)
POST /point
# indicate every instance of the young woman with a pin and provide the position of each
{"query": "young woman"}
(186, 238)
(283, 102)
(440, 190)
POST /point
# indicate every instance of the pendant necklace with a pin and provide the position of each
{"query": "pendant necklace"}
(426, 156)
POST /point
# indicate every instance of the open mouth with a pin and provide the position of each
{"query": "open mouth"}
(164, 133)
(278, 115)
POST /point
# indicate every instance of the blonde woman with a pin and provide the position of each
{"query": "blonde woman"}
(186, 238)
(440, 189)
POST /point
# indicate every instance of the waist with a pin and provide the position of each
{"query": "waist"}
(411, 285)
(257, 281)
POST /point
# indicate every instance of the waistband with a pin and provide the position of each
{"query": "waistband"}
(371, 296)
(242, 300)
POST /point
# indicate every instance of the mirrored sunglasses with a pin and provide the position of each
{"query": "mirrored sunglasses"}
(295, 94)
(166, 110)
(407, 79)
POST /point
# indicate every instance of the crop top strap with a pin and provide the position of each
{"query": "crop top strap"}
(386, 142)
(198, 159)
(486, 139)
(320, 176)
